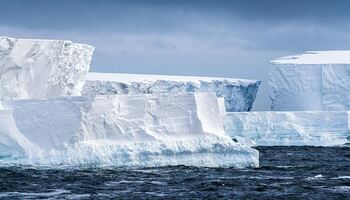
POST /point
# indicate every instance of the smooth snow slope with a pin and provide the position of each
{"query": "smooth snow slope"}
(33, 68)
(239, 94)
(120, 130)
(312, 81)
(316, 128)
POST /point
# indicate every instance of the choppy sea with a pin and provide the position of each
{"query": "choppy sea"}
(284, 173)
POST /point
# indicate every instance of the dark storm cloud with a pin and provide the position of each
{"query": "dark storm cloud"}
(113, 10)
(82, 13)
(186, 37)
(256, 24)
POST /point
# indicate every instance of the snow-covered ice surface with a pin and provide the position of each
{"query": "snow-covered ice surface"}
(120, 130)
(314, 128)
(316, 57)
(34, 68)
(239, 94)
(318, 80)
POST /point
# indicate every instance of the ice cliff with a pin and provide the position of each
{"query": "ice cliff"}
(33, 68)
(120, 130)
(316, 80)
(239, 94)
(310, 101)
(315, 128)
(49, 117)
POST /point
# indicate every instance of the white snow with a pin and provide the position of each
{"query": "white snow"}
(33, 68)
(300, 86)
(239, 94)
(120, 130)
(130, 78)
(315, 128)
(316, 57)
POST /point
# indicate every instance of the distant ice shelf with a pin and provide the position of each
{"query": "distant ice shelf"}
(316, 80)
(316, 57)
(35, 68)
(238, 94)
(312, 128)
(120, 130)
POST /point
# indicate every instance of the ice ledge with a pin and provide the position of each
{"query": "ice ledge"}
(316, 57)
(239, 94)
(130, 78)
(310, 128)
(43, 40)
(120, 130)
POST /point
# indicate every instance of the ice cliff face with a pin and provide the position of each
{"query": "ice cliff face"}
(31, 68)
(122, 130)
(316, 128)
(121, 120)
(239, 94)
(318, 80)
(313, 91)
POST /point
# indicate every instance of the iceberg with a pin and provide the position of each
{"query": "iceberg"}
(310, 99)
(314, 81)
(311, 128)
(238, 94)
(34, 68)
(121, 130)
(53, 112)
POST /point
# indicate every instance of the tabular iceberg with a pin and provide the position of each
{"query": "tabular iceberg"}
(315, 128)
(317, 80)
(121, 130)
(313, 91)
(32, 68)
(239, 94)
(49, 114)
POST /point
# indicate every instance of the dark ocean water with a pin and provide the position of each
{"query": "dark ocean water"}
(284, 173)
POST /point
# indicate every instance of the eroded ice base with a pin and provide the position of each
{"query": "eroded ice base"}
(120, 130)
(315, 128)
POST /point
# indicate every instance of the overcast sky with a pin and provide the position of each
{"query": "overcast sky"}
(207, 38)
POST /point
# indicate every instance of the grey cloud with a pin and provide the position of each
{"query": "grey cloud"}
(192, 37)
